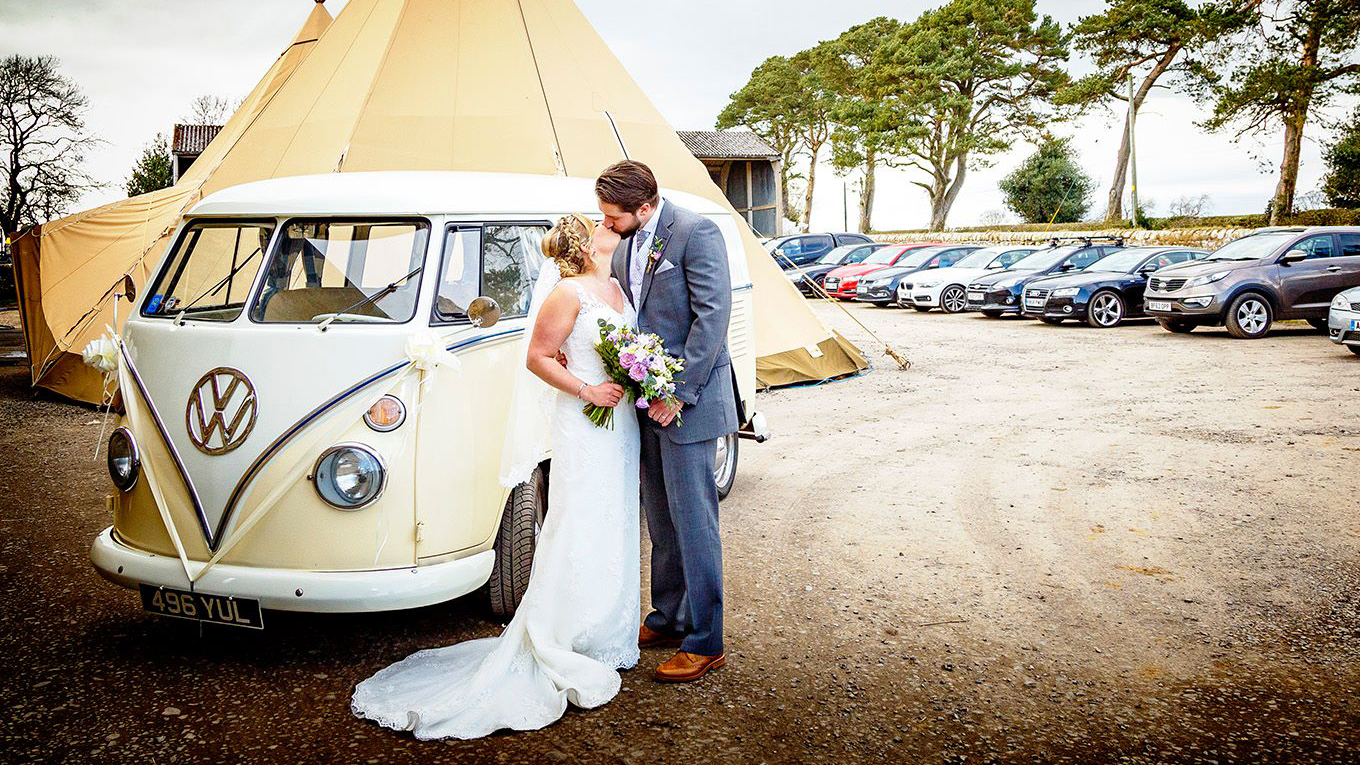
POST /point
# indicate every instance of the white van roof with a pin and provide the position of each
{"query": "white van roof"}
(417, 193)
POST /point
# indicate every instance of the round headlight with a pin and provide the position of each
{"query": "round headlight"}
(349, 476)
(124, 462)
(1341, 302)
(387, 413)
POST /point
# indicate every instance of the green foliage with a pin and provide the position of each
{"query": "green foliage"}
(152, 172)
(975, 75)
(1049, 185)
(1342, 183)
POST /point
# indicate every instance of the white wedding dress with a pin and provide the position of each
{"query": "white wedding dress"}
(578, 622)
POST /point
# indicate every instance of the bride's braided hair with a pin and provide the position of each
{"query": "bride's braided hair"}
(568, 244)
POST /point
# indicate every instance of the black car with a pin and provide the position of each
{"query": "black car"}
(1000, 293)
(880, 287)
(806, 249)
(808, 279)
(1107, 292)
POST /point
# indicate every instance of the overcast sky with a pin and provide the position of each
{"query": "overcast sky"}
(142, 62)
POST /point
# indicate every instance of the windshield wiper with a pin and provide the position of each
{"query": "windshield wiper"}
(379, 295)
(213, 290)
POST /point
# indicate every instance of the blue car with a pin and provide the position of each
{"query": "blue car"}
(1107, 292)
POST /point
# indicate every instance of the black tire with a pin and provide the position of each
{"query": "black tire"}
(1249, 317)
(1179, 327)
(1054, 320)
(516, 542)
(1106, 309)
(953, 299)
(725, 476)
(884, 304)
(1354, 349)
(992, 314)
(1318, 324)
(921, 308)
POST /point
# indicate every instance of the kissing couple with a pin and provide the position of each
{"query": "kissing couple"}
(657, 268)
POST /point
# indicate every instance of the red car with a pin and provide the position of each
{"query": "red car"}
(842, 282)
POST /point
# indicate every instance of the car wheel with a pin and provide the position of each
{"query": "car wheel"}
(953, 299)
(516, 541)
(1179, 327)
(1105, 310)
(1318, 324)
(992, 314)
(1054, 320)
(725, 464)
(1249, 316)
(1354, 349)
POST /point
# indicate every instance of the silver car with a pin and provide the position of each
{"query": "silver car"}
(1343, 320)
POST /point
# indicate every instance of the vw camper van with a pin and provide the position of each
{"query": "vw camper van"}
(316, 381)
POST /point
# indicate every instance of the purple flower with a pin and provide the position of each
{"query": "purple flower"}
(627, 359)
(642, 403)
(637, 373)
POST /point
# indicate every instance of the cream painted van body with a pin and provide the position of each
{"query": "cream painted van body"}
(249, 522)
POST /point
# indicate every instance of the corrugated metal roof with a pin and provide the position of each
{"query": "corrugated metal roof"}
(193, 139)
(727, 144)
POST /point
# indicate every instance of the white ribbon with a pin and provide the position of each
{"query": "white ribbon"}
(102, 355)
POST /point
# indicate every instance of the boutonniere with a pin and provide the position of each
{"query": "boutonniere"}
(654, 256)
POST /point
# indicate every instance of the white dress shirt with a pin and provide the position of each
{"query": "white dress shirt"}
(642, 242)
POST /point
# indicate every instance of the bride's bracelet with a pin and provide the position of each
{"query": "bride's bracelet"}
(578, 391)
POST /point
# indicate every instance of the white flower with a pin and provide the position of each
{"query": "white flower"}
(102, 353)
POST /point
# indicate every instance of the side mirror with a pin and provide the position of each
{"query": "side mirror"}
(484, 312)
(1293, 256)
(1145, 270)
(1066, 267)
(129, 288)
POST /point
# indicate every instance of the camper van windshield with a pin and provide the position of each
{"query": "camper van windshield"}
(344, 271)
(208, 276)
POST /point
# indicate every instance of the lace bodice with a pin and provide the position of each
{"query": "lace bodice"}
(582, 358)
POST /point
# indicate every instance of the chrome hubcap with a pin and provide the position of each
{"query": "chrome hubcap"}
(1251, 316)
(954, 300)
(722, 467)
(1106, 310)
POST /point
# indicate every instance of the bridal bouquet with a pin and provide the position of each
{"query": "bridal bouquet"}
(640, 364)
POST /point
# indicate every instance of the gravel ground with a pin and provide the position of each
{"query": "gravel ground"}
(1041, 544)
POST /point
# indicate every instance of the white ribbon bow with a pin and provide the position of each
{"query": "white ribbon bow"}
(102, 353)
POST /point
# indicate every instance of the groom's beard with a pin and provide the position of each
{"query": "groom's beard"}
(637, 226)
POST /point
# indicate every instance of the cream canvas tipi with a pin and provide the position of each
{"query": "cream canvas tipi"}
(481, 85)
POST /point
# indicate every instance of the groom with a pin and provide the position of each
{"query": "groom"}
(673, 266)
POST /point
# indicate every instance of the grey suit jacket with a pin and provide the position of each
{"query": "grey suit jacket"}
(688, 304)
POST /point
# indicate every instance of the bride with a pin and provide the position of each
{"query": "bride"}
(577, 624)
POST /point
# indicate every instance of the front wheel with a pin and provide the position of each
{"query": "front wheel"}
(516, 542)
(1106, 310)
(953, 299)
(1249, 317)
(725, 463)
(1318, 324)
(1354, 349)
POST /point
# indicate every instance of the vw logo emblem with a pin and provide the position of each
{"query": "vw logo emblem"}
(221, 411)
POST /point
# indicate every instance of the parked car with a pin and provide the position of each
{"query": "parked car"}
(880, 287)
(1107, 292)
(805, 249)
(1248, 283)
(842, 282)
(808, 279)
(999, 294)
(1343, 320)
(946, 289)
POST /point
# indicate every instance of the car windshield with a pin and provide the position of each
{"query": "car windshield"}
(1124, 260)
(208, 276)
(344, 271)
(1253, 247)
(979, 258)
(883, 256)
(836, 256)
(1045, 258)
(918, 258)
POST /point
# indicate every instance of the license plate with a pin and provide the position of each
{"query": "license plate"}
(1355, 325)
(202, 607)
(975, 297)
(1035, 302)
(1158, 305)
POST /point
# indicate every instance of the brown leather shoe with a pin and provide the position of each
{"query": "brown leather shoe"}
(685, 667)
(650, 638)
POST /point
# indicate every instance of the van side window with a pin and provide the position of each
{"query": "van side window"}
(1316, 246)
(1350, 245)
(499, 261)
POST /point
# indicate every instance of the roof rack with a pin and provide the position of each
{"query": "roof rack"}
(1053, 241)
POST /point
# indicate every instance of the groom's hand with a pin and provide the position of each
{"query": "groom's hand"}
(663, 413)
(562, 359)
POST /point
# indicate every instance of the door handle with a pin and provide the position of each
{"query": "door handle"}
(1333, 269)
